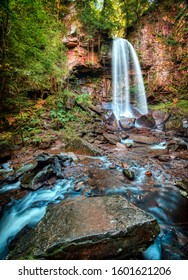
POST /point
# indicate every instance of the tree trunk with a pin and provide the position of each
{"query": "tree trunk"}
(58, 7)
(3, 54)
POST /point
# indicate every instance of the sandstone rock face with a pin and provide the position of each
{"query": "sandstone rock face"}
(161, 43)
(106, 227)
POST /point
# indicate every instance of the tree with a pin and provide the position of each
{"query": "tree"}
(32, 53)
(115, 16)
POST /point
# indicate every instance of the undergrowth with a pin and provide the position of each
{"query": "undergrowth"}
(176, 106)
(34, 122)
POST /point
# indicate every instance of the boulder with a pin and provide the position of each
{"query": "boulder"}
(129, 174)
(146, 121)
(44, 159)
(107, 227)
(57, 168)
(176, 145)
(25, 168)
(109, 118)
(32, 180)
(183, 187)
(45, 143)
(111, 138)
(144, 139)
(126, 123)
(82, 147)
(121, 146)
(160, 119)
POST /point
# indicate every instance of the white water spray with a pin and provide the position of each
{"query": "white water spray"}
(29, 210)
(99, 4)
(128, 86)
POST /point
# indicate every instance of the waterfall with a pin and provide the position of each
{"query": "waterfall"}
(128, 86)
(99, 4)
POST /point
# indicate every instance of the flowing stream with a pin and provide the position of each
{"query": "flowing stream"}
(156, 195)
(159, 196)
(29, 210)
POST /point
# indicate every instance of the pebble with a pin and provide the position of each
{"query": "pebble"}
(124, 165)
(148, 173)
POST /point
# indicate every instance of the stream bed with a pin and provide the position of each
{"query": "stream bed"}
(156, 195)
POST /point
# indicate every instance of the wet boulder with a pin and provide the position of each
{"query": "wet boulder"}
(82, 147)
(183, 187)
(144, 139)
(146, 121)
(111, 138)
(129, 173)
(126, 124)
(107, 227)
(176, 145)
(46, 166)
(109, 118)
(43, 159)
(57, 168)
(33, 181)
(25, 168)
(160, 119)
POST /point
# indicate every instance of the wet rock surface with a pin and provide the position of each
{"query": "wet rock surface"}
(81, 146)
(96, 162)
(89, 228)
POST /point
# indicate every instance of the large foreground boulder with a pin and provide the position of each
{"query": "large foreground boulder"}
(107, 227)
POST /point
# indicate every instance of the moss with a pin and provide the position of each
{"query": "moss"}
(178, 108)
(6, 137)
(165, 107)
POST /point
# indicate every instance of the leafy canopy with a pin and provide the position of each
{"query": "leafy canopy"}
(112, 17)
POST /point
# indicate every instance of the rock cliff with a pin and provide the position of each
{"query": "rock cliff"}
(160, 39)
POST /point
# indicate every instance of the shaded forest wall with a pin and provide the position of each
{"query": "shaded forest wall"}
(88, 58)
(160, 39)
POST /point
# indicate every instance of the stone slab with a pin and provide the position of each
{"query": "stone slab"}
(107, 227)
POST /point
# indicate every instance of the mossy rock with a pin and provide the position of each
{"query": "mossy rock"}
(174, 124)
(80, 146)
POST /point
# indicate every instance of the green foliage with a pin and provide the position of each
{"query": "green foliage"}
(61, 116)
(115, 16)
(84, 99)
(32, 54)
(180, 108)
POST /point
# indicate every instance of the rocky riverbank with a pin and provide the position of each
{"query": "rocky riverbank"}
(142, 165)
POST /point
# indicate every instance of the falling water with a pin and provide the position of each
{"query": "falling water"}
(128, 86)
(99, 4)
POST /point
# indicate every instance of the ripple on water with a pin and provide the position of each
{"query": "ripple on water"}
(29, 210)
(9, 187)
